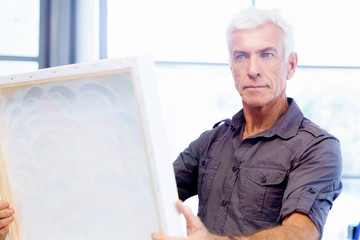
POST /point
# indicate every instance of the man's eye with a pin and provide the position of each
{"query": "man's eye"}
(267, 55)
(239, 57)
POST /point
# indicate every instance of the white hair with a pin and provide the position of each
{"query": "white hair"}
(252, 17)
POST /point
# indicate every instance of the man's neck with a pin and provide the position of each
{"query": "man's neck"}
(259, 119)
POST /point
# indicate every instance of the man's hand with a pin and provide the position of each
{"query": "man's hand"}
(295, 226)
(6, 217)
(194, 227)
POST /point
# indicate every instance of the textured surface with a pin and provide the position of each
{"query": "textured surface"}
(76, 159)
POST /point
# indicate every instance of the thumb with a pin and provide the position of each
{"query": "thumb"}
(192, 221)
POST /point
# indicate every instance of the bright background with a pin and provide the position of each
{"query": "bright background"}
(187, 41)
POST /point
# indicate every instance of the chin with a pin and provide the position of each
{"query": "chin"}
(256, 102)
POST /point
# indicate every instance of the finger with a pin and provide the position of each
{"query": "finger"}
(6, 221)
(191, 219)
(4, 213)
(4, 231)
(4, 204)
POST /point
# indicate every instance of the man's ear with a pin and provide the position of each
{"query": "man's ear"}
(292, 64)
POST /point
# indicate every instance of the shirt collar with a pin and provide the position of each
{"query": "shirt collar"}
(285, 127)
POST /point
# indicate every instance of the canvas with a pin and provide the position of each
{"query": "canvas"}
(83, 153)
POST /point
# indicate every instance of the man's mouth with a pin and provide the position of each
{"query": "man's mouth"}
(255, 87)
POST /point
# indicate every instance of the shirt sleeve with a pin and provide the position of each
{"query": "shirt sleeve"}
(314, 181)
(186, 172)
(186, 167)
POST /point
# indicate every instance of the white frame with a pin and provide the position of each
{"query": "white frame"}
(144, 82)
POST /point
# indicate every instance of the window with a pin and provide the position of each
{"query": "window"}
(324, 30)
(167, 29)
(19, 42)
(46, 33)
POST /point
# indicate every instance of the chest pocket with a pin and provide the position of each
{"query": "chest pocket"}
(264, 189)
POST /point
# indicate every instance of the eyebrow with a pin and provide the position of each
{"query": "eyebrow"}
(264, 50)
(268, 49)
(236, 52)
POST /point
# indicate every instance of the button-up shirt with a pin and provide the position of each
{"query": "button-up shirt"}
(247, 185)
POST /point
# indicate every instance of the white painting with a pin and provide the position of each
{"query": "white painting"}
(78, 159)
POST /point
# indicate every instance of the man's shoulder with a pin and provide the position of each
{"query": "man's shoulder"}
(220, 128)
(207, 139)
(224, 123)
(309, 127)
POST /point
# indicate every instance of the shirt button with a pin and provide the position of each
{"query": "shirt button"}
(203, 162)
(312, 190)
(234, 169)
(224, 203)
(263, 179)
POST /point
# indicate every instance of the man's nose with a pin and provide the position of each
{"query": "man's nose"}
(254, 68)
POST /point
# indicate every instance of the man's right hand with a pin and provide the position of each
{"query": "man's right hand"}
(195, 229)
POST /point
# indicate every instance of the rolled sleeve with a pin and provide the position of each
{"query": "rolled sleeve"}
(314, 182)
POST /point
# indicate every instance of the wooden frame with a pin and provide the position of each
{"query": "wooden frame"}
(83, 153)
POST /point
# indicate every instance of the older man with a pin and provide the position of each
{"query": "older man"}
(268, 173)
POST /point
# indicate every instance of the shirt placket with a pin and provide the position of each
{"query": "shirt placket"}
(232, 176)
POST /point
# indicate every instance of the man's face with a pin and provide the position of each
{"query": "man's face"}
(258, 64)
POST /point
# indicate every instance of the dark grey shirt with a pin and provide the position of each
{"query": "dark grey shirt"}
(247, 185)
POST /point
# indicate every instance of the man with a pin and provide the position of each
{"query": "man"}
(6, 217)
(268, 173)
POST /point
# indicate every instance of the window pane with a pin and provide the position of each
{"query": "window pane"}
(325, 30)
(13, 67)
(194, 98)
(19, 27)
(188, 30)
(330, 97)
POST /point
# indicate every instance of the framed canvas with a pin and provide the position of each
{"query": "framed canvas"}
(84, 153)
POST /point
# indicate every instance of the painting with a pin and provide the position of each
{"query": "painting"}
(83, 153)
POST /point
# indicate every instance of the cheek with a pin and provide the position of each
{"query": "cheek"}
(278, 79)
(238, 81)
(280, 85)
(283, 78)
(235, 76)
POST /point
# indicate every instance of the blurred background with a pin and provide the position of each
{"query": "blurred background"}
(187, 42)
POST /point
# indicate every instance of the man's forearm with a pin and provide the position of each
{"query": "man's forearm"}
(296, 226)
(277, 233)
